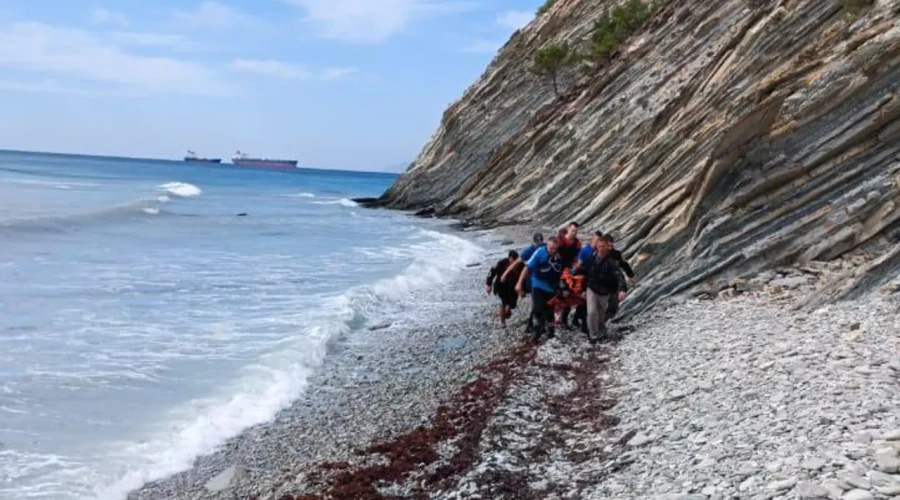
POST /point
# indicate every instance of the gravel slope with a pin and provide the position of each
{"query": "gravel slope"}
(744, 398)
(741, 397)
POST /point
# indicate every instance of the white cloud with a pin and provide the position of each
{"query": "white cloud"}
(483, 47)
(287, 71)
(510, 20)
(82, 56)
(271, 68)
(338, 73)
(212, 14)
(100, 15)
(371, 21)
(150, 39)
(514, 19)
(45, 87)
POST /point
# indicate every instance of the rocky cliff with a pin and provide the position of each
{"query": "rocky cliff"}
(726, 137)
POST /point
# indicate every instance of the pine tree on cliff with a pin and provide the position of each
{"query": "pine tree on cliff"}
(545, 7)
(551, 60)
(615, 25)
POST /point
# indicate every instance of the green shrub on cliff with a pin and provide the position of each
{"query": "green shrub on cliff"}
(855, 7)
(551, 60)
(544, 8)
(615, 25)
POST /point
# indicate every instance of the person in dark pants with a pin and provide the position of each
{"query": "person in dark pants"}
(604, 279)
(537, 241)
(504, 289)
(544, 270)
(616, 255)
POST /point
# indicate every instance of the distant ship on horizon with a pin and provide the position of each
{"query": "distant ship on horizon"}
(192, 157)
(241, 159)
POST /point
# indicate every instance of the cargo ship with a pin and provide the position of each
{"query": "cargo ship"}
(241, 159)
(192, 157)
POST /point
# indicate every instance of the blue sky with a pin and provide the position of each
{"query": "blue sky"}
(358, 84)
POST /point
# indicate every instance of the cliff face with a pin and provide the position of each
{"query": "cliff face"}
(727, 137)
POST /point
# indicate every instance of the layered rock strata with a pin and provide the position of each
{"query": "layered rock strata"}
(724, 139)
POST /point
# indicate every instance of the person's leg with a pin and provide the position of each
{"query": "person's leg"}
(613, 308)
(502, 315)
(534, 318)
(581, 317)
(551, 324)
(549, 316)
(564, 319)
(593, 316)
(543, 313)
(596, 315)
(529, 329)
(602, 308)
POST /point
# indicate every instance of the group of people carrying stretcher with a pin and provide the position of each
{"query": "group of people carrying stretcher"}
(561, 274)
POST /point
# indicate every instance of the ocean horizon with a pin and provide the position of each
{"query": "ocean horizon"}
(152, 309)
(225, 161)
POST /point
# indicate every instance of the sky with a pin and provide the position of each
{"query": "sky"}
(351, 84)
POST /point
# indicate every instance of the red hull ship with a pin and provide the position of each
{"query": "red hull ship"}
(243, 160)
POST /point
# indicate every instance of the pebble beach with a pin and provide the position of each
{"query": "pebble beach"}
(741, 394)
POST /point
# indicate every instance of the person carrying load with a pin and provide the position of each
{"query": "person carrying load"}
(504, 289)
(604, 280)
(512, 272)
(571, 295)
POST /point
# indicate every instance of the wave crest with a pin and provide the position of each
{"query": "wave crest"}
(281, 377)
(344, 202)
(182, 189)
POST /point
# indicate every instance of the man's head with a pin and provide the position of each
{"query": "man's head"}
(537, 239)
(552, 244)
(605, 244)
(513, 255)
(595, 239)
(572, 230)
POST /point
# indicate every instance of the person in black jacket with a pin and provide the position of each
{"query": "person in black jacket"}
(629, 274)
(504, 288)
(604, 280)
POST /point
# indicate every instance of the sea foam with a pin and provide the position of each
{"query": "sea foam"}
(280, 377)
(344, 202)
(181, 189)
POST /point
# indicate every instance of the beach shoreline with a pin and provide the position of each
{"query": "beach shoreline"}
(740, 396)
(699, 400)
(377, 382)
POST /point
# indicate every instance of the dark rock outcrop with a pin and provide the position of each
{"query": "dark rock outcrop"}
(726, 137)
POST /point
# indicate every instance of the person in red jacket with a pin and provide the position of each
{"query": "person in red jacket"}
(569, 247)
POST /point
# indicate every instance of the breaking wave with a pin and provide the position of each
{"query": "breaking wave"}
(64, 222)
(181, 189)
(344, 202)
(279, 378)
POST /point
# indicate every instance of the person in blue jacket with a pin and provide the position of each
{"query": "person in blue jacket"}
(544, 269)
(537, 241)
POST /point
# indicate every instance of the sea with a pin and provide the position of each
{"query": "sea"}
(150, 310)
